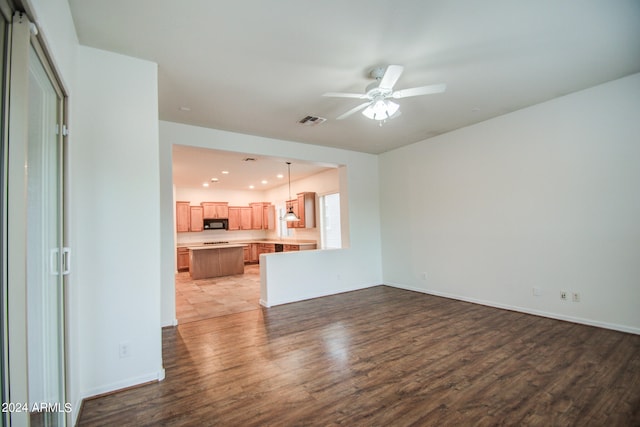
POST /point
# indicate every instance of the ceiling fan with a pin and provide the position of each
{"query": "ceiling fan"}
(379, 94)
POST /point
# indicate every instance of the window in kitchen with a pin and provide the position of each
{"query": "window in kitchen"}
(330, 235)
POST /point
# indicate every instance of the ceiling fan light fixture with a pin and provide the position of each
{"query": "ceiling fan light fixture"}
(381, 109)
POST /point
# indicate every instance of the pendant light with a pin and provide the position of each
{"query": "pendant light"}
(290, 215)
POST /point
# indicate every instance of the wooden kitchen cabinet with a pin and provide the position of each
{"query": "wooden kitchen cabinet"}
(197, 223)
(251, 253)
(257, 215)
(266, 248)
(304, 206)
(240, 218)
(183, 259)
(254, 252)
(290, 248)
(183, 217)
(263, 216)
(234, 218)
(246, 218)
(215, 209)
(269, 217)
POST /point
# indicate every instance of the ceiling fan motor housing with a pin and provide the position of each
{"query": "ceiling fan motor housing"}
(377, 72)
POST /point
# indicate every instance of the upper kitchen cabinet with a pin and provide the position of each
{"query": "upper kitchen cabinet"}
(263, 216)
(269, 217)
(215, 209)
(197, 223)
(305, 208)
(256, 215)
(183, 217)
(240, 218)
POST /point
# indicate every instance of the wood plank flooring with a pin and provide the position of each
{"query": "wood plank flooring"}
(384, 357)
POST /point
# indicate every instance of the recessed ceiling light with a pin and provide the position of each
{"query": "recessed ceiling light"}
(251, 187)
(264, 181)
(205, 184)
(225, 172)
(214, 179)
(279, 176)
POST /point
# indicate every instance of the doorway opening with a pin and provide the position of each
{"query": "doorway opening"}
(252, 190)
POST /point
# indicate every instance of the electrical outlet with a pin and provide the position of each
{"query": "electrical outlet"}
(536, 291)
(575, 297)
(423, 276)
(124, 350)
(563, 295)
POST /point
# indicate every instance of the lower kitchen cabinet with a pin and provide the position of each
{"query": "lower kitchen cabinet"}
(266, 248)
(290, 248)
(251, 253)
(183, 259)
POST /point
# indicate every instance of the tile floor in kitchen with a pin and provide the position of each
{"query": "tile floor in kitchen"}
(206, 298)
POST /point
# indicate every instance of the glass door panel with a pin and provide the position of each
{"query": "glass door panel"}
(44, 246)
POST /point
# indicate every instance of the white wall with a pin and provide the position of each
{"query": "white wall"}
(115, 203)
(312, 273)
(547, 197)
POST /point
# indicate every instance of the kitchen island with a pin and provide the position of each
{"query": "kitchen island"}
(216, 260)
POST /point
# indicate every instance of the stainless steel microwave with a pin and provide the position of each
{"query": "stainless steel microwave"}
(216, 224)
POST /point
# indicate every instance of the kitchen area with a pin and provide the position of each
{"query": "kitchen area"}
(214, 258)
(221, 232)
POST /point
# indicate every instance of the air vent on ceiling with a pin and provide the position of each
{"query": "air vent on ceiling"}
(312, 120)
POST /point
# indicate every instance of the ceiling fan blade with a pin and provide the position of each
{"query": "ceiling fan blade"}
(422, 90)
(345, 95)
(391, 76)
(354, 110)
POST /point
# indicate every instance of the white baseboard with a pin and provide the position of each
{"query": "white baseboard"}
(557, 316)
(129, 382)
(75, 412)
(174, 322)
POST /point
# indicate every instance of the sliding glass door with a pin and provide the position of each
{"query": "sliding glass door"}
(45, 253)
(36, 260)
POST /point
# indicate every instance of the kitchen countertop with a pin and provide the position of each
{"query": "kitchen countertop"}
(218, 246)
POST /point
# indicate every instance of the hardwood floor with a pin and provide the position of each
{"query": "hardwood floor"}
(384, 357)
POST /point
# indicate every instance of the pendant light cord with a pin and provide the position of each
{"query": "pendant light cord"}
(289, 173)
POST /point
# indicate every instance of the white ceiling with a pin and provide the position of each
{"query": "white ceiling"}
(257, 67)
(193, 167)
